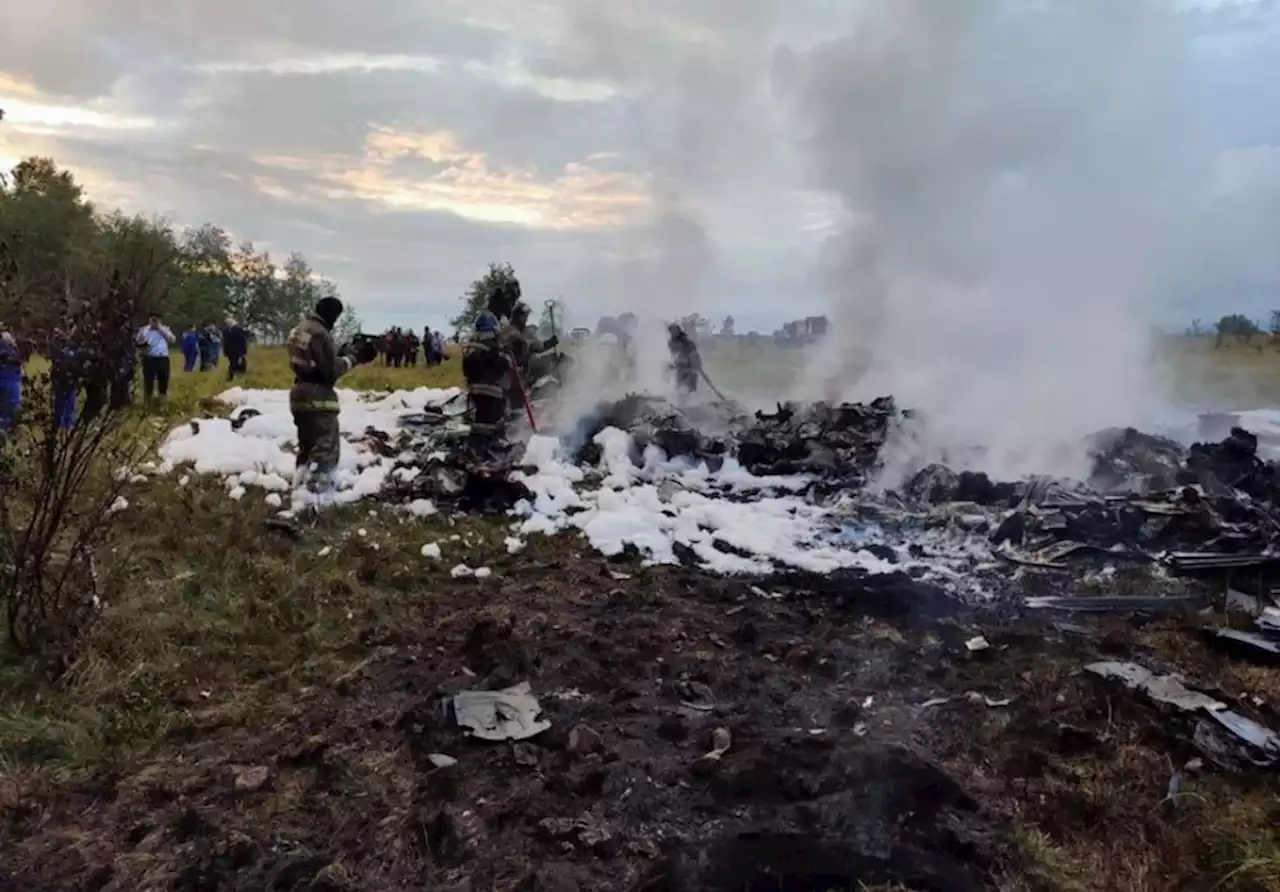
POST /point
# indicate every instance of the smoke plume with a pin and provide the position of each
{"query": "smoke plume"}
(1016, 178)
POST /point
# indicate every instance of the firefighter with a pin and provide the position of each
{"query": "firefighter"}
(486, 367)
(685, 360)
(528, 352)
(317, 366)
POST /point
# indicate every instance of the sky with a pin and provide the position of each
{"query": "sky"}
(680, 155)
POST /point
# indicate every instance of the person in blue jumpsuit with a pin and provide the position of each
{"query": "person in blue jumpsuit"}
(62, 356)
(10, 378)
(190, 348)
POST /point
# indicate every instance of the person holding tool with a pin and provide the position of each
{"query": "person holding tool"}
(686, 362)
(486, 367)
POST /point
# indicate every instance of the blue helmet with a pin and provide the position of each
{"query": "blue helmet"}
(486, 321)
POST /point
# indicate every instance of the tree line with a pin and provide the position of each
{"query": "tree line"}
(1237, 326)
(55, 244)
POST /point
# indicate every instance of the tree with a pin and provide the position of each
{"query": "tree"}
(1237, 326)
(552, 320)
(497, 291)
(203, 282)
(53, 240)
(294, 296)
(47, 229)
(60, 483)
(349, 325)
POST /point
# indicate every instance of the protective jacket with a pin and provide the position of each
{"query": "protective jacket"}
(685, 361)
(684, 354)
(486, 366)
(316, 366)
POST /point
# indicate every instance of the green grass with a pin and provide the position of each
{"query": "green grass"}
(191, 392)
(217, 630)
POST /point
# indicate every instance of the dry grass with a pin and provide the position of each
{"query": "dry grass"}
(1234, 375)
(1100, 817)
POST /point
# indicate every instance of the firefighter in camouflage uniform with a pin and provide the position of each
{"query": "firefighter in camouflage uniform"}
(486, 367)
(317, 365)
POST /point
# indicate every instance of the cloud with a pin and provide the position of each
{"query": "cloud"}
(603, 148)
(415, 171)
(328, 63)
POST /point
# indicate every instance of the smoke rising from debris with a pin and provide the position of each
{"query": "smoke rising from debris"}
(1016, 178)
(697, 121)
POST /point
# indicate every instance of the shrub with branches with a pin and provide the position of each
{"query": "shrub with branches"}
(66, 455)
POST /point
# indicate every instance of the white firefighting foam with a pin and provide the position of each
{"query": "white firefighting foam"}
(731, 520)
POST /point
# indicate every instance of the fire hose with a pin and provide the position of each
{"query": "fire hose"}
(524, 396)
(714, 389)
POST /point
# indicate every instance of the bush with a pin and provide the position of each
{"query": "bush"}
(61, 471)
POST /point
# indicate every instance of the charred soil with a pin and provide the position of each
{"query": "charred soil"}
(707, 734)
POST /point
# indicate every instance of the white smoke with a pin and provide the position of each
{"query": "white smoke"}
(1017, 178)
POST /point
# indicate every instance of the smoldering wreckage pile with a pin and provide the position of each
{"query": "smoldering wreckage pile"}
(776, 518)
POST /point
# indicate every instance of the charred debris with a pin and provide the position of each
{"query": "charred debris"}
(1212, 507)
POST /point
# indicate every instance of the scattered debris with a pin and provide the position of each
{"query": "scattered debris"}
(1246, 645)
(584, 740)
(251, 780)
(440, 760)
(1122, 603)
(721, 740)
(1249, 741)
(510, 714)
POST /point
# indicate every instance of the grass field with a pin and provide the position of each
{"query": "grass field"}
(224, 646)
(268, 367)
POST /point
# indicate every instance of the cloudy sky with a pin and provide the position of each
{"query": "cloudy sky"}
(681, 154)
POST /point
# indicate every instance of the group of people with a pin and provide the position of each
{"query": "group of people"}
(399, 348)
(103, 373)
(204, 346)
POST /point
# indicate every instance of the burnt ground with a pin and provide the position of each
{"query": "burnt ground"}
(289, 738)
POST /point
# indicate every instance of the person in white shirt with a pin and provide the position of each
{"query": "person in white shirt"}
(155, 339)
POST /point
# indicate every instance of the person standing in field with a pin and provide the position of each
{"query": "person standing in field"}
(486, 367)
(428, 347)
(313, 401)
(235, 340)
(10, 378)
(155, 339)
(190, 348)
(215, 343)
(62, 361)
